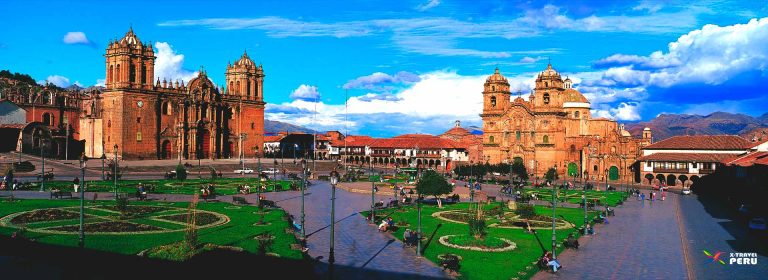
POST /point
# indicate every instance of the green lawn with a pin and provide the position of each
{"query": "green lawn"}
(238, 232)
(611, 198)
(224, 186)
(515, 264)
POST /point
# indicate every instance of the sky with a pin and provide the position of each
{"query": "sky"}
(385, 68)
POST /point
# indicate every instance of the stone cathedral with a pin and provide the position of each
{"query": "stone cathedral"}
(160, 119)
(555, 129)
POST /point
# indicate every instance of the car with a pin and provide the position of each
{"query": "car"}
(757, 224)
(686, 191)
(244, 171)
(271, 171)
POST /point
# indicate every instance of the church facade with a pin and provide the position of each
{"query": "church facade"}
(555, 129)
(139, 117)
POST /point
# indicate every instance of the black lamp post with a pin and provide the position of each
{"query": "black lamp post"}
(303, 187)
(373, 198)
(42, 156)
(554, 207)
(584, 200)
(605, 174)
(81, 242)
(334, 180)
(114, 175)
(103, 157)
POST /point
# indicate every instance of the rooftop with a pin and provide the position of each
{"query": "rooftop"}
(688, 157)
(702, 142)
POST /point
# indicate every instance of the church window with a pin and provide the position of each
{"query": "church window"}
(138, 136)
(247, 89)
(517, 135)
(143, 74)
(546, 84)
(237, 87)
(493, 88)
(490, 139)
(546, 98)
(573, 148)
(109, 75)
(117, 73)
(109, 123)
(493, 101)
(132, 73)
(253, 126)
(594, 168)
(545, 139)
(613, 149)
(231, 87)
(138, 120)
(576, 114)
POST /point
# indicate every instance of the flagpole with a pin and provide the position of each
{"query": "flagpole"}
(314, 141)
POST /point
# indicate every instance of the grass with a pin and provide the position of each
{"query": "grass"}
(518, 263)
(224, 186)
(239, 232)
(611, 198)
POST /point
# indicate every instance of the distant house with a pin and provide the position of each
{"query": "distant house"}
(681, 158)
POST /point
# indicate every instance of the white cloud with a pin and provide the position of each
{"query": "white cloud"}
(306, 93)
(626, 111)
(100, 82)
(170, 65)
(379, 80)
(650, 6)
(60, 81)
(429, 5)
(76, 38)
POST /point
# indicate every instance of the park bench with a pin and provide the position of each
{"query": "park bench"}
(239, 200)
(61, 194)
(266, 203)
(450, 263)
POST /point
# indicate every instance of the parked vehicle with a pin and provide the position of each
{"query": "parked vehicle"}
(757, 224)
(271, 171)
(244, 171)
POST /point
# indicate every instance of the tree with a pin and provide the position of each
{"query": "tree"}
(518, 169)
(433, 184)
(551, 175)
(181, 172)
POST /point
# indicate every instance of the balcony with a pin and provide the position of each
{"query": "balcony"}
(706, 171)
(670, 170)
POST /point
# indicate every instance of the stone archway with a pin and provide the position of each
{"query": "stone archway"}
(661, 178)
(671, 178)
(613, 173)
(166, 149)
(573, 169)
(205, 143)
(649, 177)
(683, 179)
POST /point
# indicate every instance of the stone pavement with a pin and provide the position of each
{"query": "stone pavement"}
(642, 241)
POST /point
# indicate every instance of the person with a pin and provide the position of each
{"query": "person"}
(642, 196)
(553, 263)
(407, 238)
(663, 196)
(390, 222)
(590, 229)
(573, 242)
(76, 183)
(383, 226)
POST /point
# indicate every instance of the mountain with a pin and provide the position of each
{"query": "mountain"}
(271, 127)
(668, 125)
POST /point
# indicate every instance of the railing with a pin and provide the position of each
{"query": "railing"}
(670, 170)
(706, 171)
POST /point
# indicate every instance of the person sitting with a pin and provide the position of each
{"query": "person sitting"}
(383, 226)
(610, 211)
(553, 263)
(590, 229)
(543, 260)
(390, 222)
(205, 192)
(572, 242)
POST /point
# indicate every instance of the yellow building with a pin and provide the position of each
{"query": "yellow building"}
(555, 128)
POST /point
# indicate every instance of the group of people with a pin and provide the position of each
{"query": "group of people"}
(386, 224)
(244, 189)
(207, 191)
(549, 261)
(652, 196)
(141, 192)
(5, 184)
(410, 238)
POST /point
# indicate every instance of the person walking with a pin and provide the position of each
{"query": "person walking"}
(76, 183)
(642, 196)
(663, 195)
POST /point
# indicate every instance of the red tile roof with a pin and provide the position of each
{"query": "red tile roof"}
(420, 141)
(458, 131)
(688, 157)
(273, 138)
(702, 142)
(749, 159)
(758, 143)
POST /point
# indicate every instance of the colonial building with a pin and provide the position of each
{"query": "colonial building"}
(140, 119)
(675, 160)
(555, 129)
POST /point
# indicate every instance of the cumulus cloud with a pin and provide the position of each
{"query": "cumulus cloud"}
(429, 5)
(100, 82)
(170, 65)
(306, 93)
(76, 37)
(381, 81)
(626, 111)
(57, 80)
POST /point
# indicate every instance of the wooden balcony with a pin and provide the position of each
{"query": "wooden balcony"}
(706, 171)
(670, 170)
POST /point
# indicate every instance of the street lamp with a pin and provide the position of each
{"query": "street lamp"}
(584, 199)
(373, 194)
(303, 187)
(114, 175)
(103, 157)
(42, 156)
(554, 207)
(605, 174)
(83, 160)
(418, 228)
(334, 180)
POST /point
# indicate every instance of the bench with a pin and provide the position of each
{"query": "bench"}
(138, 196)
(239, 200)
(266, 203)
(450, 263)
(61, 194)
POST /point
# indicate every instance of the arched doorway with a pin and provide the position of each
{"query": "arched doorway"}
(517, 160)
(661, 178)
(166, 149)
(573, 169)
(613, 173)
(694, 178)
(682, 179)
(205, 143)
(649, 177)
(671, 180)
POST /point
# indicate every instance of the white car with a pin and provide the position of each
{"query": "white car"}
(757, 224)
(686, 191)
(271, 171)
(244, 171)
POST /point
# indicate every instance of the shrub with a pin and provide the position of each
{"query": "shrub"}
(24, 166)
(525, 211)
(214, 175)
(181, 172)
(121, 203)
(265, 241)
(477, 227)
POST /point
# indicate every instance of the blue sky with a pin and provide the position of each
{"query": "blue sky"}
(416, 66)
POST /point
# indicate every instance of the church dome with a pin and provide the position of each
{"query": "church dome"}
(130, 38)
(549, 72)
(245, 60)
(572, 95)
(496, 77)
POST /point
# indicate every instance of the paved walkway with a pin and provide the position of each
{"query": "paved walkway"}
(641, 242)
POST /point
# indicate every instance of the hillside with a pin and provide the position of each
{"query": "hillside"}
(271, 127)
(668, 125)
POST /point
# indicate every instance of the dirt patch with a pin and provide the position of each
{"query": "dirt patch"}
(111, 226)
(44, 215)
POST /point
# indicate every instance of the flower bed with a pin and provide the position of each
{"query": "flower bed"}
(201, 219)
(44, 215)
(488, 244)
(135, 209)
(111, 226)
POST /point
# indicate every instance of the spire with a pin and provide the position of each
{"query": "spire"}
(496, 71)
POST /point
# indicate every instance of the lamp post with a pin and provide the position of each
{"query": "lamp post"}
(114, 175)
(303, 187)
(584, 199)
(373, 196)
(605, 174)
(334, 180)
(418, 227)
(103, 157)
(242, 163)
(42, 156)
(81, 241)
(554, 207)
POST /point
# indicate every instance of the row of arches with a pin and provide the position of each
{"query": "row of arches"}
(392, 161)
(670, 179)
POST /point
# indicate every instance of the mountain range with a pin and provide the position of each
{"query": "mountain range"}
(273, 127)
(718, 123)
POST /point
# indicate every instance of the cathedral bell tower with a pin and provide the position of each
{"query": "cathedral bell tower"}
(246, 79)
(495, 94)
(130, 64)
